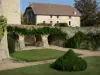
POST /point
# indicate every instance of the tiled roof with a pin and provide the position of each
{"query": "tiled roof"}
(54, 9)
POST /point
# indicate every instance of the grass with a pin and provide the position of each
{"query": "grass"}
(93, 69)
(37, 54)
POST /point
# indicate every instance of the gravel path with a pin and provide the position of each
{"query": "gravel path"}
(9, 64)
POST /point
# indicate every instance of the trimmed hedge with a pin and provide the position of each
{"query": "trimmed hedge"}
(69, 62)
(44, 24)
(61, 25)
(11, 45)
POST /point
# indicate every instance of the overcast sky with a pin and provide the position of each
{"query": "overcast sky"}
(25, 3)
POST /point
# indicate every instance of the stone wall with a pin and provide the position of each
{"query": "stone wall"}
(11, 10)
(0, 8)
(72, 30)
(4, 54)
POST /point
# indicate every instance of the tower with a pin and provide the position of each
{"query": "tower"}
(11, 10)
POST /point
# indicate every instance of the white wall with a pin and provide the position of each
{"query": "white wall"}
(75, 21)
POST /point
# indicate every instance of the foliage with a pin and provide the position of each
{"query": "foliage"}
(61, 24)
(68, 62)
(22, 19)
(89, 10)
(3, 22)
(75, 41)
(80, 65)
(98, 18)
(44, 24)
(11, 45)
(39, 31)
(12, 41)
(90, 41)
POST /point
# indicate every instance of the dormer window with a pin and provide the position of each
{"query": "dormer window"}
(74, 12)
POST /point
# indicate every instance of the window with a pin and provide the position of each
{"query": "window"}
(70, 17)
(43, 22)
(57, 16)
(50, 22)
(69, 22)
(51, 16)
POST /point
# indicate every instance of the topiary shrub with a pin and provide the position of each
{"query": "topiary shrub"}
(69, 62)
(80, 65)
(61, 25)
(12, 42)
(11, 45)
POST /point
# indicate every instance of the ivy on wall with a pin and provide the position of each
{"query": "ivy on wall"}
(39, 31)
(3, 22)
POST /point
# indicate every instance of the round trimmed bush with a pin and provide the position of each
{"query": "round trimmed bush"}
(69, 62)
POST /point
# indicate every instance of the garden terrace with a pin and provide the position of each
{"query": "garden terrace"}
(46, 35)
(37, 35)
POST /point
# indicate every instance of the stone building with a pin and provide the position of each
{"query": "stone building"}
(52, 13)
(11, 10)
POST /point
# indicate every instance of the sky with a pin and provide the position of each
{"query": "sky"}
(25, 3)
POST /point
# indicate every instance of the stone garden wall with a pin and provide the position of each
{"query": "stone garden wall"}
(4, 54)
(72, 30)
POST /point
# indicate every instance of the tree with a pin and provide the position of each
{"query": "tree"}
(89, 10)
(22, 19)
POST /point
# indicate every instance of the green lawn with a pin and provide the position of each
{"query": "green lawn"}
(93, 69)
(37, 55)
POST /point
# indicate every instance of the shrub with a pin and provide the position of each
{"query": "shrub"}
(91, 41)
(11, 45)
(80, 65)
(61, 24)
(76, 40)
(69, 62)
(44, 24)
(13, 42)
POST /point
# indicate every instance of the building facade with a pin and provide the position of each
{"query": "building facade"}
(52, 13)
(11, 10)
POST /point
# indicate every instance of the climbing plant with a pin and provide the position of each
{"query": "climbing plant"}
(39, 31)
(3, 22)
